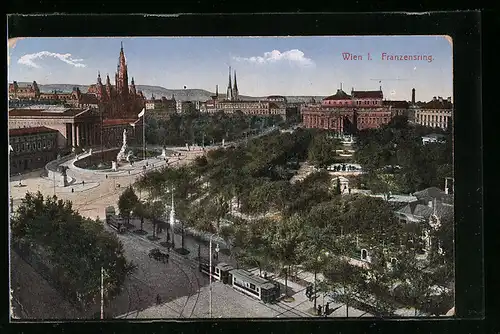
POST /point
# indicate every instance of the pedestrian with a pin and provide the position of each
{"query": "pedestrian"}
(72, 190)
(106, 176)
(83, 182)
(327, 309)
(319, 309)
(158, 299)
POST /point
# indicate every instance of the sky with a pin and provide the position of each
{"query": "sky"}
(264, 65)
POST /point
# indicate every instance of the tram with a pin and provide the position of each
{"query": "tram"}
(243, 281)
(116, 224)
(254, 286)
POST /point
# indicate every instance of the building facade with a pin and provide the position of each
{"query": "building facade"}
(95, 118)
(31, 148)
(272, 105)
(342, 112)
(437, 113)
(24, 90)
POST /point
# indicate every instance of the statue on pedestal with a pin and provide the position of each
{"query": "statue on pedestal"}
(121, 155)
(64, 175)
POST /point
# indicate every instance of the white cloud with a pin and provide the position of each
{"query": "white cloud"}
(293, 56)
(28, 59)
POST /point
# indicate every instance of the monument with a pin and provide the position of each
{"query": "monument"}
(64, 176)
(163, 153)
(122, 155)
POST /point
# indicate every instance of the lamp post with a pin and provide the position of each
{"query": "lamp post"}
(210, 275)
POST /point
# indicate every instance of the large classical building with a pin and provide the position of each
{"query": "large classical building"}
(95, 118)
(342, 112)
(31, 148)
(272, 105)
(437, 113)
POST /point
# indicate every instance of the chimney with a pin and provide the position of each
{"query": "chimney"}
(449, 99)
(440, 99)
(413, 96)
(434, 98)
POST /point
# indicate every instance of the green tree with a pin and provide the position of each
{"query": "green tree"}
(127, 202)
(285, 238)
(76, 247)
(313, 253)
(322, 150)
(140, 210)
(343, 278)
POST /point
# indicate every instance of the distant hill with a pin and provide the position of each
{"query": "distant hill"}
(179, 94)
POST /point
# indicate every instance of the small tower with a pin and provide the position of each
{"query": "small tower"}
(413, 96)
(133, 91)
(216, 91)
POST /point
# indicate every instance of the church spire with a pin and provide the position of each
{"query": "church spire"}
(122, 75)
(229, 94)
(235, 88)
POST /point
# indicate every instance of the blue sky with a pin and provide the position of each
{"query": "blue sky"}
(264, 65)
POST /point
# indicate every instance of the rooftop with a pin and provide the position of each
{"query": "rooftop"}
(425, 211)
(368, 94)
(47, 112)
(340, 95)
(437, 104)
(397, 104)
(30, 131)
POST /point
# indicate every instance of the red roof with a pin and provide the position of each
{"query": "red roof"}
(30, 131)
(340, 95)
(373, 94)
(118, 121)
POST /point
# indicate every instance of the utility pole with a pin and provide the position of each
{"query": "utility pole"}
(54, 177)
(210, 275)
(102, 293)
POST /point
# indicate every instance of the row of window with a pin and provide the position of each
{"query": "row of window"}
(17, 139)
(27, 147)
(432, 118)
(373, 120)
(368, 102)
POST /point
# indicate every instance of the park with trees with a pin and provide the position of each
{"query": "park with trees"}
(399, 144)
(308, 224)
(195, 128)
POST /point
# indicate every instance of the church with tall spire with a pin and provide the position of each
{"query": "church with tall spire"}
(232, 93)
(121, 100)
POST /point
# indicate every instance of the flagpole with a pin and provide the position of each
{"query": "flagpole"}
(144, 136)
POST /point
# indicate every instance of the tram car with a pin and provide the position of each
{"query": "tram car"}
(254, 286)
(243, 281)
(220, 271)
(115, 223)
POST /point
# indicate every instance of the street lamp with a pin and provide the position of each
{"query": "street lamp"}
(210, 271)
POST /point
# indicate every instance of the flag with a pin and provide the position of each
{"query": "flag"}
(141, 113)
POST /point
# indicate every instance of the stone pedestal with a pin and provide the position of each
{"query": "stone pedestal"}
(114, 166)
(63, 180)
